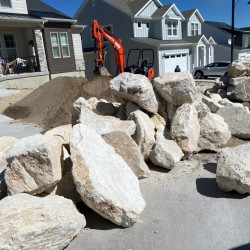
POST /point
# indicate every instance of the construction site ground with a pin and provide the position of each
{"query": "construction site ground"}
(185, 208)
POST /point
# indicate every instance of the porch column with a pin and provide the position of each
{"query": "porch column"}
(197, 57)
(41, 50)
(205, 55)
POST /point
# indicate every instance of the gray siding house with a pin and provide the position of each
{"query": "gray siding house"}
(221, 33)
(47, 40)
(175, 37)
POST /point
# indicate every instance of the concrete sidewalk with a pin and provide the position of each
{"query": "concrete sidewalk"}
(10, 127)
(185, 210)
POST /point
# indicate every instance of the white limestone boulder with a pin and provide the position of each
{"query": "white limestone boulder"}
(145, 132)
(135, 88)
(29, 222)
(6, 142)
(214, 132)
(201, 108)
(238, 119)
(126, 147)
(103, 179)
(176, 88)
(233, 169)
(105, 124)
(165, 153)
(185, 128)
(61, 134)
(34, 165)
(239, 68)
(213, 104)
(240, 88)
(80, 103)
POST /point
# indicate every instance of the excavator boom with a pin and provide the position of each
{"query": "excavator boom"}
(98, 33)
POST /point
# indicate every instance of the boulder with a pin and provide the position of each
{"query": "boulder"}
(171, 110)
(6, 142)
(201, 108)
(34, 165)
(145, 132)
(176, 88)
(214, 133)
(130, 108)
(126, 147)
(233, 169)
(239, 68)
(165, 153)
(185, 128)
(135, 88)
(241, 88)
(238, 119)
(29, 222)
(66, 186)
(103, 179)
(105, 124)
(160, 125)
(77, 106)
(213, 105)
(61, 134)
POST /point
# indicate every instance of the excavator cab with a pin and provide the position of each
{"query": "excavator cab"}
(144, 62)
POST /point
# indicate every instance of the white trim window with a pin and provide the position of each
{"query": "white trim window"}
(172, 28)
(54, 38)
(10, 45)
(5, 3)
(194, 29)
(60, 44)
(64, 44)
(139, 25)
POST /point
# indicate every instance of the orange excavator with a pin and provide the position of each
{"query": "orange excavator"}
(142, 66)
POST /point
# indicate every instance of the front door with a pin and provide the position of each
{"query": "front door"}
(10, 45)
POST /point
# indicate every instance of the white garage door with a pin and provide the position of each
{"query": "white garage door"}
(172, 60)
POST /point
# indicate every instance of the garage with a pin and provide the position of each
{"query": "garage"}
(170, 62)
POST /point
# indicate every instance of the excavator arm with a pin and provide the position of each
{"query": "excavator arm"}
(98, 33)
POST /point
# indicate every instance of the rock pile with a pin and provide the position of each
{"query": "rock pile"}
(100, 157)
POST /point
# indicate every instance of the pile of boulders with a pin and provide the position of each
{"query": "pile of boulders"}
(100, 157)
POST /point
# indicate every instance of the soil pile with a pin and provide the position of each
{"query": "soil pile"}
(51, 104)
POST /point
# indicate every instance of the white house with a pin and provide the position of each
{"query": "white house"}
(175, 37)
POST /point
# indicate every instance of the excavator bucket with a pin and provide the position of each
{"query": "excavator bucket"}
(101, 71)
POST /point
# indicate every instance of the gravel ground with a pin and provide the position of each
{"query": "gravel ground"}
(9, 100)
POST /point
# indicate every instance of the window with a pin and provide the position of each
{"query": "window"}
(5, 3)
(64, 44)
(60, 45)
(147, 25)
(172, 28)
(194, 29)
(10, 44)
(55, 45)
(139, 24)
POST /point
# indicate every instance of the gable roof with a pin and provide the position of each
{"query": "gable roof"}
(43, 10)
(188, 13)
(136, 5)
(161, 11)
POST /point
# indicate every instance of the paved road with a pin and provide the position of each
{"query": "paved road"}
(185, 210)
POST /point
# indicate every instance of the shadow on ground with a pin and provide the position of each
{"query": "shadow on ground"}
(94, 220)
(208, 187)
(211, 167)
(242, 247)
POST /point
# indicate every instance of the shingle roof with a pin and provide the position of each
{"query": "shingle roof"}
(18, 16)
(193, 39)
(188, 13)
(41, 9)
(161, 11)
(136, 5)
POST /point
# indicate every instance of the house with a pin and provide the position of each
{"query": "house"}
(222, 35)
(47, 40)
(175, 37)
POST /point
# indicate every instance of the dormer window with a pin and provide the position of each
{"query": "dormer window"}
(194, 29)
(139, 24)
(172, 28)
(5, 3)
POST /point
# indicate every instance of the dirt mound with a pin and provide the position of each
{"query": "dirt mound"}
(51, 104)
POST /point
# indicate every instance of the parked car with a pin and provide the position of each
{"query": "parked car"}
(212, 69)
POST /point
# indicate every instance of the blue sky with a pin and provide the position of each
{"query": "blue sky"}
(211, 10)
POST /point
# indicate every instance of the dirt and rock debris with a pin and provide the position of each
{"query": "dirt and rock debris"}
(50, 105)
